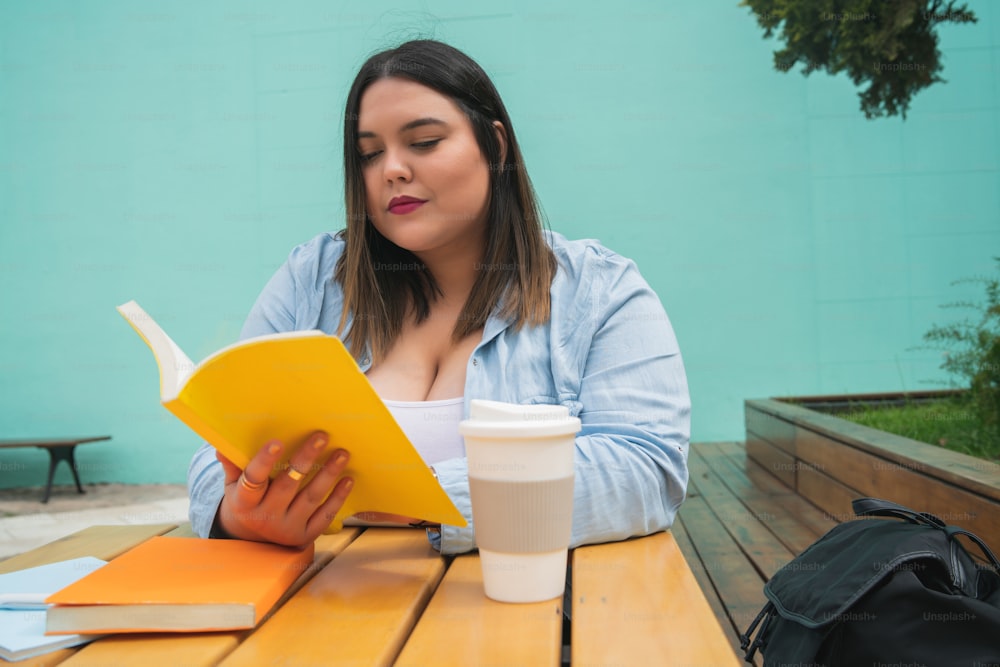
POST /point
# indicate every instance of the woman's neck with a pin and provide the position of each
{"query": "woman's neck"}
(455, 275)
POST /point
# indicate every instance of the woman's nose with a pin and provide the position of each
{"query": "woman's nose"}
(395, 166)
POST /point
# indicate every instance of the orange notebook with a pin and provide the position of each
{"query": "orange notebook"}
(179, 584)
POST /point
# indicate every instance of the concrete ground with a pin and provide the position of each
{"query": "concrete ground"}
(25, 522)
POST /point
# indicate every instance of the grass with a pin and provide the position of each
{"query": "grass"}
(949, 423)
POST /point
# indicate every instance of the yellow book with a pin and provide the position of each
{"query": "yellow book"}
(285, 386)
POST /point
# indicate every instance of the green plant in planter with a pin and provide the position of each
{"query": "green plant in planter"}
(968, 422)
(890, 45)
(973, 349)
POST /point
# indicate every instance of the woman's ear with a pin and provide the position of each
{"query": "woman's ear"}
(501, 139)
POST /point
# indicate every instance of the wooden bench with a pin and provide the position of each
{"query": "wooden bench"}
(382, 596)
(60, 449)
(753, 507)
(738, 526)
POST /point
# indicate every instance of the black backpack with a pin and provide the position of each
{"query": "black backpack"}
(872, 593)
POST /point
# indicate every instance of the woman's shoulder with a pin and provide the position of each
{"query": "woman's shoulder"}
(325, 247)
(581, 259)
(316, 258)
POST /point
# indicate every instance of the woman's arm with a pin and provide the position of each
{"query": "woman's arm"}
(624, 363)
(631, 463)
(206, 484)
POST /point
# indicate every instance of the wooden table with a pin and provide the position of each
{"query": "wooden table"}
(382, 596)
(60, 449)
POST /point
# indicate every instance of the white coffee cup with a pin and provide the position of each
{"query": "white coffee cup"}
(521, 481)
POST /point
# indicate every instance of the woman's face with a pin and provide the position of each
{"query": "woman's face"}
(426, 181)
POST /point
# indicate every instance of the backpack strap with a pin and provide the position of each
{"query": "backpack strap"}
(955, 530)
(760, 641)
(878, 507)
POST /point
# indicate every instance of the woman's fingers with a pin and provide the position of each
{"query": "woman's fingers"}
(318, 488)
(259, 469)
(302, 462)
(252, 483)
(324, 514)
(285, 510)
(231, 470)
(243, 512)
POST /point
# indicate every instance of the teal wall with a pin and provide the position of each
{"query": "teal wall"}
(174, 153)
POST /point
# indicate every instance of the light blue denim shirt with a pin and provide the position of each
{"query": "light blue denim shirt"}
(608, 353)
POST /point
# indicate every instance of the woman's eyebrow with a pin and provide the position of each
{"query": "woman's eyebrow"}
(418, 122)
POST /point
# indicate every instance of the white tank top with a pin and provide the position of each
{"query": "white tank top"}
(432, 426)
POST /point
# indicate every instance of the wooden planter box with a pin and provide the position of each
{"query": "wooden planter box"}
(830, 461)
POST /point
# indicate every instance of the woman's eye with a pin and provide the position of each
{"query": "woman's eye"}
(368, 157)
(431, 143)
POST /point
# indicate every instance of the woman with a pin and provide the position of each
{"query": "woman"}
(445, 288)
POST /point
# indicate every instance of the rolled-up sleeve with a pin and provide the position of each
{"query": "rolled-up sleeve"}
(206, 484)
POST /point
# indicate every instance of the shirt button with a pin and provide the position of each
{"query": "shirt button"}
(475, 362)
(365, 360)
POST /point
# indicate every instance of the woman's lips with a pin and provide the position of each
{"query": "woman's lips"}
(403, 209)
(404, 205)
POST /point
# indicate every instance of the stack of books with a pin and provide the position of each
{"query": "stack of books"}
(166, 584)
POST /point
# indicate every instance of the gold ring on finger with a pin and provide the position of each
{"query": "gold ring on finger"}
(251, 486)
(295, 474)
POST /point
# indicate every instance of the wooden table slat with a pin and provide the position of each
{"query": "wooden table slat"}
(363, 606)
(190, 649)
(740, 586)
(183, 530)
(104, 542)
(694, 561)
(461, 626)
(616, 621)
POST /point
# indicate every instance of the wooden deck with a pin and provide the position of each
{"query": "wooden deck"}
(738, 526)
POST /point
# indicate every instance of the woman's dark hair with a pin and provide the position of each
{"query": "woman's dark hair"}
(518, 266)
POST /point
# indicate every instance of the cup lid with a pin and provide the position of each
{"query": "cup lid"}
(495, 418)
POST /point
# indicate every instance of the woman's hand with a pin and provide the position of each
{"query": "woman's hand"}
(283, 510)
